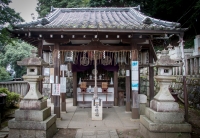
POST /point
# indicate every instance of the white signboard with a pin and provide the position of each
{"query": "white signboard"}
(56, 89)
(46, 72)
(134, 65)
(134, 85)
(127, 73)
(63, 67)
(134, 75)
(63, 81)
(51, 78)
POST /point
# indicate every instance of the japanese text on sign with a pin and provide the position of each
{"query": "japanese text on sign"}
(56, 89)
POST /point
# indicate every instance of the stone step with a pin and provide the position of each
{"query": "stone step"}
(3, 134)
(32, 115)
(163, 127)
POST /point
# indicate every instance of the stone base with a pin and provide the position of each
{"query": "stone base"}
(36, 125)
(161, 106)
(148, 134)
(164, 117)
(33, 120)
(33, 104)
(26, 133)
(164, 127)
(32, 115)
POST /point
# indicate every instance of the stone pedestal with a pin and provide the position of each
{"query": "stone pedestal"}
(33, 120)
(97, 109)
(164, 125)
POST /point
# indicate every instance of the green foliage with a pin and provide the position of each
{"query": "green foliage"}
(7, 16)
(4, 75)
(13, 53)
(12, 97)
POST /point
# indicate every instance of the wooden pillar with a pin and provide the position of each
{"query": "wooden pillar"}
(115, 88)
(74, 88)
(56, 99)
(151, 76)
(63, 102)
(40, 70)
(128, 102)
(134, 80)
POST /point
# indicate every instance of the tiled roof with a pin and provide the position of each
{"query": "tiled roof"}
(102, 18)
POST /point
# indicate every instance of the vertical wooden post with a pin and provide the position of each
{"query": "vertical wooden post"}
(63, 102)
(40, 55)
(151, 76)
(135, 81)
(56, 99)
(74, 88)
(115, 88)
(128, 103)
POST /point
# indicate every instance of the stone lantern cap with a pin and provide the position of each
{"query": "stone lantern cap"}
(33, 60)
(166, 61)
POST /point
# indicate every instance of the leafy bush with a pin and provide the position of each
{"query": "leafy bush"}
(12, 97)
(4, 75)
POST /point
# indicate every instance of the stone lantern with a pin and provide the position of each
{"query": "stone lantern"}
(164, 101)
(33, 118)
(163, 118)
(33, 76)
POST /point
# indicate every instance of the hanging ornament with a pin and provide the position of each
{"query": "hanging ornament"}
(106, 61)
(84, 60)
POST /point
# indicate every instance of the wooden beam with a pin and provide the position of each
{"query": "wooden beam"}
(107, 30)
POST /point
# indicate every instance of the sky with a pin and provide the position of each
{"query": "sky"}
(25, 8)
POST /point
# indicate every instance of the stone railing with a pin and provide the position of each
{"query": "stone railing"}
(20, 87)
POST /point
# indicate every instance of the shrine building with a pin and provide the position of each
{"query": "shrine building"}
(118, 40)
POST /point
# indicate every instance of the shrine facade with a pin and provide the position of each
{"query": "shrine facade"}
(120, 39)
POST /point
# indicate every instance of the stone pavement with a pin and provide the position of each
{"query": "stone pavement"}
(80, 118)
(100, 133)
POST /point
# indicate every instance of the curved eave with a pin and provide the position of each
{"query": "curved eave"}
(144, 30)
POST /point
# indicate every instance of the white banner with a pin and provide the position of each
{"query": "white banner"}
(56, 89)
(63, 81)
(135, 76)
